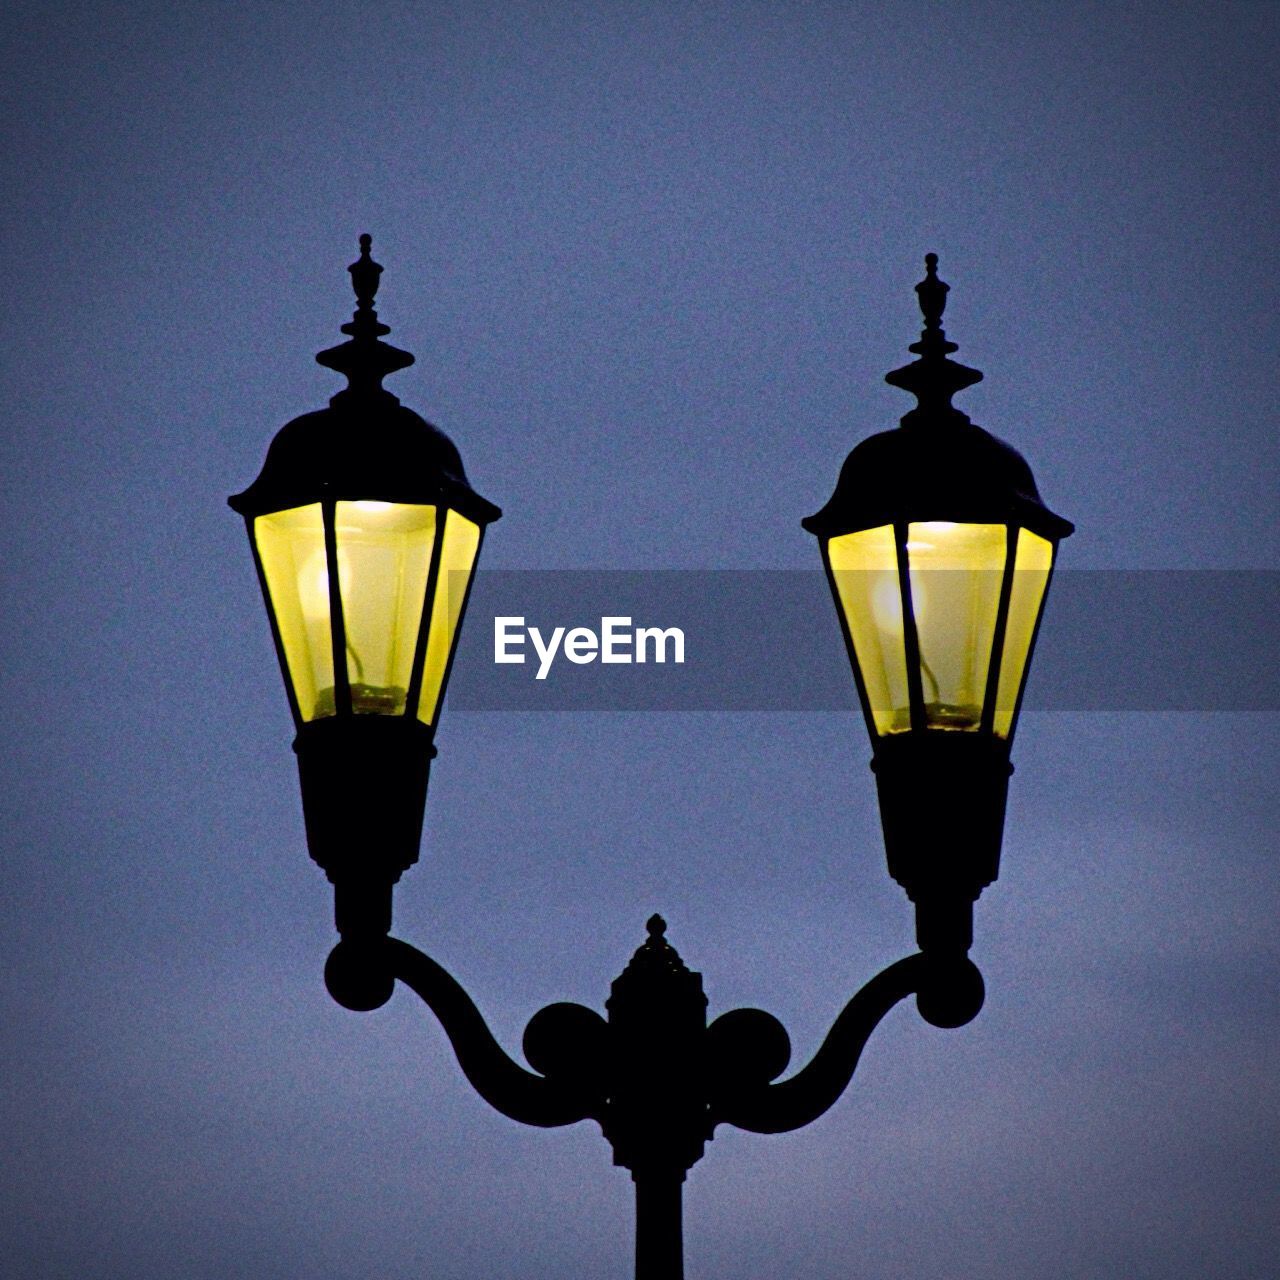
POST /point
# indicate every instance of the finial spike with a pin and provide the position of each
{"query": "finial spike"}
(934, 378)
(365, 359)
(932, 293)
(364, 275)
(656, 926)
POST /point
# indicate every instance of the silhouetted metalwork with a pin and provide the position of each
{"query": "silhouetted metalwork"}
(942, 791)
(652, 1073)
(364, 448)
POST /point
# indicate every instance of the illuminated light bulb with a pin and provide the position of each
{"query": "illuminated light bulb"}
(313, 595)
(886, 604)
(372, 507)
(313, 587)
(313, 583)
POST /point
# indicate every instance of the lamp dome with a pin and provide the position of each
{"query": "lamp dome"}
(953, 470)
(369, 447)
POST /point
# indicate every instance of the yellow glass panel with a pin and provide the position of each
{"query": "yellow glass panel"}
(291, 549)
(956, 571)
(384, 554)
(865, 568)
(1031, 566)
(457, 561)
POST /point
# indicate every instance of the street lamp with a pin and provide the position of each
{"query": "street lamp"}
(365, 534)
(939, 552)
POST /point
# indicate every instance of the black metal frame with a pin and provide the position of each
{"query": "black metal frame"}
(653, 1074)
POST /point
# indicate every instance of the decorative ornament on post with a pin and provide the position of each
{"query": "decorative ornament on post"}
(365, 534)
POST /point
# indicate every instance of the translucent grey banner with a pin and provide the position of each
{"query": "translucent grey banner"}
(769, 640)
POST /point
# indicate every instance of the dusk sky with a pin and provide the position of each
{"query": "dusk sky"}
(654, 260)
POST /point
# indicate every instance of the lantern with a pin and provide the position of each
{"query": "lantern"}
(365, 534)
(939, 552)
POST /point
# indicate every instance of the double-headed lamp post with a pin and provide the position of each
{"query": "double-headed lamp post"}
(365, 533)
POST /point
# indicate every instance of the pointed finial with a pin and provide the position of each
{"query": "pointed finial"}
(934, 378)
(365, 359)
(932, 293)
(364, 275)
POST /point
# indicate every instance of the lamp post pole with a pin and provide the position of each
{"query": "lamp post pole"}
(938, 549)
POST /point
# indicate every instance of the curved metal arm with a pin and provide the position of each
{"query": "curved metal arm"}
(793, 1103)
(503, 1083)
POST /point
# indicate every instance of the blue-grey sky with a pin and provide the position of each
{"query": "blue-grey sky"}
(654, 260)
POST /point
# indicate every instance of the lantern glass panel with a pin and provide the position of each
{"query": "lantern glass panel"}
(457, 562)
(865, 568)
(1031, 567)
(956, 572)
(290, 546)
(384, 555)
